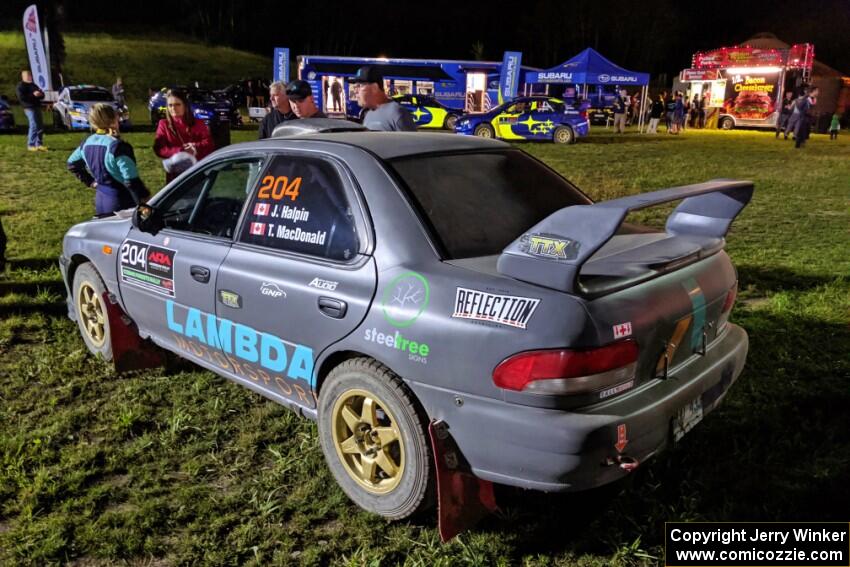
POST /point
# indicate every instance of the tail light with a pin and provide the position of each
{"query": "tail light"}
(567, 371)
(727, 308)
(730, 299)
(583, 114)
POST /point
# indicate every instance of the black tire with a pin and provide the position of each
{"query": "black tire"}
(58, 123)
(347, 441)
(484, 131)
(726, 123)
(92, 318)
(450, 122)
(564, 135)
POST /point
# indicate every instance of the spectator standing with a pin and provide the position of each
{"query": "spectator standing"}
(336, 95)
(30, 97)
(794, 119)
(281, 110)
(301, 100)
(804, 124)
(259, 93)
(118, 92)
(694, 117)
(785, 113)
(634, 109)
(655, 112)
(249, 93)
(678, 113)
(834, 126)
(107, 164)
(382, 113)
(181, 140)
(620, 112)
(703, 103)
(669, 109)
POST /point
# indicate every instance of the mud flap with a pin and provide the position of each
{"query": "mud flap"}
(129, 350)
(462, 498)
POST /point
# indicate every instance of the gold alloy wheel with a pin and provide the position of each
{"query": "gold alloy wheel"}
(90, 309)
(563, 136)
(368, 441)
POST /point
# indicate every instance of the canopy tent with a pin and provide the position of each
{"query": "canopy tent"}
(590, 68)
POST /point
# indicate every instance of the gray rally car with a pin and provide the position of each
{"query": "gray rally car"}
(381, 282)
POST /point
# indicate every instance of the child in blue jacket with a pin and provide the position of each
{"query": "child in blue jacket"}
(107, 164)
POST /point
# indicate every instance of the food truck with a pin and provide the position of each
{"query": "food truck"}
(469, 86)
(744, 86)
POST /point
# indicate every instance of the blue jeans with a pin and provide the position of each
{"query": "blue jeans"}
(36, 131)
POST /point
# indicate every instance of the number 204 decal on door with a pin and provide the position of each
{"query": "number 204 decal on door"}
(148, 266)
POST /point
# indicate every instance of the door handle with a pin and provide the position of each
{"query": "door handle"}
(331, 307)
(200, 273)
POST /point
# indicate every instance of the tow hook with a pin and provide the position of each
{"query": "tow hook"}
(626, 463)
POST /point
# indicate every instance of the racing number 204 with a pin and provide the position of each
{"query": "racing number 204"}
(279, 187)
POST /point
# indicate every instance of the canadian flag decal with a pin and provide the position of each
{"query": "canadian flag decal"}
(622, 330)
(258, 228)
(261, 209)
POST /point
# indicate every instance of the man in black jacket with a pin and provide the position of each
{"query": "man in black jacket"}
(29, 95)
(281, 110)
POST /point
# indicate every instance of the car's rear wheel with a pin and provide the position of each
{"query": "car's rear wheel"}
(91, 312)
(374, 439)
(563, 135)
(450, 122)
(726, 123)
(484, 131)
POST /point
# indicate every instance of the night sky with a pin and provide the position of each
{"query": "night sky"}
(656, 37)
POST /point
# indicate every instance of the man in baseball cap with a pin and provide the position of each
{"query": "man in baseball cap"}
(382, 112)
(301, 99)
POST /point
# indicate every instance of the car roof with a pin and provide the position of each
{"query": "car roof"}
(391, 145)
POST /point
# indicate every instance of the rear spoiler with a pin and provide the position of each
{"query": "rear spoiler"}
(552, 252)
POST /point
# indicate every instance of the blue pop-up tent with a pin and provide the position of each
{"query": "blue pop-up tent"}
(590, 68)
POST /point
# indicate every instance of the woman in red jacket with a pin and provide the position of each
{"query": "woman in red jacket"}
(180, 133)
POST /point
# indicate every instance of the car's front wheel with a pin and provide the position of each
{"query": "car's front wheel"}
(484, 131)
(91, 312)
(726, 123)
(563, 135)
(374, 439)
(58, 122)
(450, 122)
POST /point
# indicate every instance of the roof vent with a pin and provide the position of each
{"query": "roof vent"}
(292, 128)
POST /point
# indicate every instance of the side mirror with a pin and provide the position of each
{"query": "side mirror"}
(147, 219)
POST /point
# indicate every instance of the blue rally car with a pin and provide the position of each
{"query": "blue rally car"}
(428, 112)
(528, 118)
(209, 106)
(72, 106)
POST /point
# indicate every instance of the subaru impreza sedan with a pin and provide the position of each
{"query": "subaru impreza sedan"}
(380, 282)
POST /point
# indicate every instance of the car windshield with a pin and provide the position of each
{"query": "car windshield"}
(478, 203)
(91, 95)
(201, 96)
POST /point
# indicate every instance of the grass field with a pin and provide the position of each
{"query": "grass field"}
(141, 61)
(180, 467)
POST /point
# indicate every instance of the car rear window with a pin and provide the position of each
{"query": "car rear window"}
(478, 203)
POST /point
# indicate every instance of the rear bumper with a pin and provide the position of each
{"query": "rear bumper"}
(558, 451)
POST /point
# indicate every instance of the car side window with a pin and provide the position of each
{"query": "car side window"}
(301, 206)
(210, 201)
